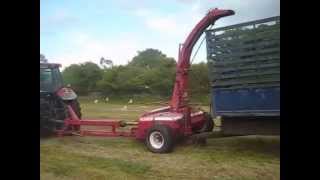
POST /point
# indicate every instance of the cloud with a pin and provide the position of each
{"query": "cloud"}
(168, 30)
(60, 19)
(245, 10)
(162, 24)
(61, 16)
(82, 47)
(186, 1)
(168, 25)
(195, 7)
(175, 26)
(161, 29)
(142, 12)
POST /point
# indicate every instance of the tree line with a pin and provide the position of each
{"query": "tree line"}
(149, 73)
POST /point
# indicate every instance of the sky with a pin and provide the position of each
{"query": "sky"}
(76, 31)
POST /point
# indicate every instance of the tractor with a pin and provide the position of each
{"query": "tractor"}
(54, 98)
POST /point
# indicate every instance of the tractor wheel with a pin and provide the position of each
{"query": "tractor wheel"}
(159, 139)
(208, 125)
(52, 114)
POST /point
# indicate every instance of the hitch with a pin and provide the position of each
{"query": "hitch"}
(112, 124)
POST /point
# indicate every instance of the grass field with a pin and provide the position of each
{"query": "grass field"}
(85, 158)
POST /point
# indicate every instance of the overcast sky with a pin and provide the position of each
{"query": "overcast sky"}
(75, 31)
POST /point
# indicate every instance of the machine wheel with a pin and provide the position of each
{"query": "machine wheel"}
(159, 139)
(208, 125)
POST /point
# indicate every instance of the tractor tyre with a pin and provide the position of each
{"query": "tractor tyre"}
(52, 114)
(208, 125)
(159, 139)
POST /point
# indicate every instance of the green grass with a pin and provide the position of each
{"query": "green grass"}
(77, 158)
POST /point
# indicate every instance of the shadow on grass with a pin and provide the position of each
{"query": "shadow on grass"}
(264, 145)
(255, 146)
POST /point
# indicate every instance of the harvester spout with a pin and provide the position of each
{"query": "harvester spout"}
(179, 97)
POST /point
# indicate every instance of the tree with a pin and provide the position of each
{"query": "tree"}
(43, 59)
(151, 58)
(199, 79)
(150, 72)
(158, 71)
(107, 84)
(105, 62)
(83, 77)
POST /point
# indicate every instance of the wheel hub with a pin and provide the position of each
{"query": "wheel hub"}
(156, 139)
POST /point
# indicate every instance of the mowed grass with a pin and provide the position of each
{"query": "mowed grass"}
(82, 158)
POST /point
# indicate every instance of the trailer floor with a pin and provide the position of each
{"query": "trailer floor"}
(68, 158)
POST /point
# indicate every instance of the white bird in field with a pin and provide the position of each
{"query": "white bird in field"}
(107, 99)
(130, 101)
(96, 101)
(124, 108)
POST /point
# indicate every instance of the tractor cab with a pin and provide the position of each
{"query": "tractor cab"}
(50, 77)
(54, 99)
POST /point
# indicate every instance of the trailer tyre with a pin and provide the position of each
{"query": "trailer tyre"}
(159, 139)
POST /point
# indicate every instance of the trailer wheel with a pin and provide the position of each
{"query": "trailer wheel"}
(159, 139)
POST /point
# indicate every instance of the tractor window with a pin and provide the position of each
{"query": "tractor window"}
(46, 80)
(57, 78)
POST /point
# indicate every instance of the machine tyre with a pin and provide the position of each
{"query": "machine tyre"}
(209, 125)
(159, 139)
